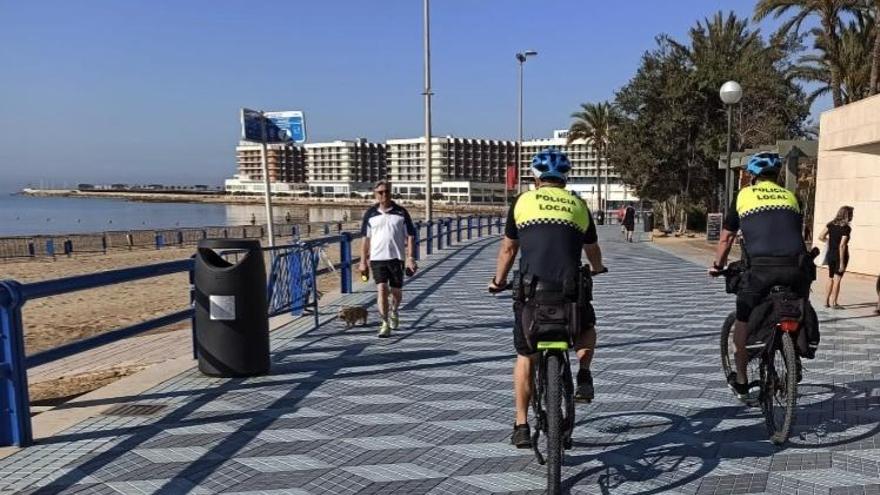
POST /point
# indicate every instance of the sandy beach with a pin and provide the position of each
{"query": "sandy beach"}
(52, 321)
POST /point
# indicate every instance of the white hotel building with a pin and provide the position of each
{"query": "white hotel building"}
(583, 177)
(463, 170)
(344, 168)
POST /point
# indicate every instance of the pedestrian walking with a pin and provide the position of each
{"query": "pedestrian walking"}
(837, 234)
(387, 249)
(629, 221)
(878, 296)
(253, 219)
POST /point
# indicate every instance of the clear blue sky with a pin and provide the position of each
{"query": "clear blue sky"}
(150, 90)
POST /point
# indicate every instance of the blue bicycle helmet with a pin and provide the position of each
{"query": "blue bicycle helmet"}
(764, 164)
(551, 164)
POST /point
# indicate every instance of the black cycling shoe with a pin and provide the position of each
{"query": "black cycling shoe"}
(521, 437)
(740, 389)
(584, 391)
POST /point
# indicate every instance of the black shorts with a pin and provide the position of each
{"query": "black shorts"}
(388, 272)
(834, 267)
(629, 226)
(757, 282)
(522, 318)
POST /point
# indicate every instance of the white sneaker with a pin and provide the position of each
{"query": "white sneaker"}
(384, 330)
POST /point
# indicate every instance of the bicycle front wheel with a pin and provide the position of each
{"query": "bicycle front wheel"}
(555, 425)
(728, 362)
(779, 389)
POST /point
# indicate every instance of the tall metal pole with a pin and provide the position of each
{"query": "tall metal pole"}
(519, 138)
(728, 180)
(427, 93)
(268, 194)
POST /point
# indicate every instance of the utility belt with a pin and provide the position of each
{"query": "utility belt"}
(803, 261)
(577, 288)
(775, 261)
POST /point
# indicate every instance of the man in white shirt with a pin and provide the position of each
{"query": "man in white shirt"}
(388, 234)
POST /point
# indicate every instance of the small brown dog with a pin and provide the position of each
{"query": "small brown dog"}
(352, 314)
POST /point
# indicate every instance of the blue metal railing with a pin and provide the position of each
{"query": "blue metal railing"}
(292, 287)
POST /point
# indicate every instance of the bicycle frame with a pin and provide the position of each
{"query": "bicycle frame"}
(539, 380)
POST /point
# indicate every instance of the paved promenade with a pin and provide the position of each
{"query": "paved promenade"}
(430, 410)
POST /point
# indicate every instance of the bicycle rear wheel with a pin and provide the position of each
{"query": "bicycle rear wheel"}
(779, 389)
(553, 406)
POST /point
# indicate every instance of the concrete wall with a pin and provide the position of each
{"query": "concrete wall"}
(848, 173)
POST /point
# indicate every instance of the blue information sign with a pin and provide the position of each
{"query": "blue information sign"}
(250, 125)
(281, 127)
(286, 126)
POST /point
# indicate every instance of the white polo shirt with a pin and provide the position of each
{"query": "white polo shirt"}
(387, 231)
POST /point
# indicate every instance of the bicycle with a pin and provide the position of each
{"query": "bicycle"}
(777, 385)
(553, 393)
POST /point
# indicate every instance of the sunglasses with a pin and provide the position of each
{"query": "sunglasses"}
(381, 191)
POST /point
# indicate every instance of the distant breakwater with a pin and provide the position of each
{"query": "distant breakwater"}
(51, 245)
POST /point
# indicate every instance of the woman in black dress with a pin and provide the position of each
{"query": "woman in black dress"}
(837, 232)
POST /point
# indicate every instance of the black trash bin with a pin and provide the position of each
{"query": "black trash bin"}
(231, 309)
(648, 221)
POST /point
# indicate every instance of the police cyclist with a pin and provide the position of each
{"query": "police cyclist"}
(549, 226)
(773, 250)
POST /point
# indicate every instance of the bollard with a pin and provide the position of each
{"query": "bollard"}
(470, 227)
(440, 235)
(458, 229)
(479, 226)
(416, 241)
(429, 240)
(345, 261)
(498, 225)
(15, 417)
(448, 232)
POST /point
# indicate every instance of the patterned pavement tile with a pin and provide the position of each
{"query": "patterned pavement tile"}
(429, 410)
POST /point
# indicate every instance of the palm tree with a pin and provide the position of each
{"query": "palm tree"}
(874, 12)
(595, 124)
(829, 14)
(854, 57)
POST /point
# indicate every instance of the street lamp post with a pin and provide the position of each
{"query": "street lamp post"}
(521, 58)
(427, 93)
(731, 93)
